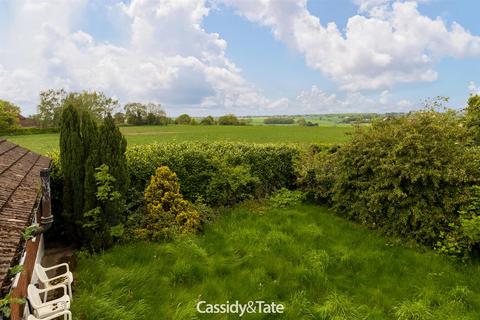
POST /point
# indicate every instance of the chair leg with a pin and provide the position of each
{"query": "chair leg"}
(70, 291)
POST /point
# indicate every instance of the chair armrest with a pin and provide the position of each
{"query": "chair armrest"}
(51, 303)
(53, 288)
(63, 275)
(58, 266)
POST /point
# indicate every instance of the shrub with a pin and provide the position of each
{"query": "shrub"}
(198, 164)
(208, 121)
(183, 119)
(285, 198)
(167, 212)
(279, 120)
(231, 184)
(406, 175)
(228, 120)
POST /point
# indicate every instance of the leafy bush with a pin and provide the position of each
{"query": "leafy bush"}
(201, 167)
(279, 120)
(27, 131)
(229, 120)
(285, 198)
(406, 175)
(167, 212)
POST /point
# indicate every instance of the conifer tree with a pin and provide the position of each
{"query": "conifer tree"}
(89, 133)
(112, 146)
(72, 163)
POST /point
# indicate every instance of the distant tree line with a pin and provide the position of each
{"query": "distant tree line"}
(279, 120)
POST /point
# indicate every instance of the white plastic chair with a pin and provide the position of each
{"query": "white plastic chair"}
(65, 278)
(42, 308)
(66, 315)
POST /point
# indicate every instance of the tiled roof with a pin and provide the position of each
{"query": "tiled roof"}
(19, 190)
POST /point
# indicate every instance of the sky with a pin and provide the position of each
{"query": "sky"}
(247, 57)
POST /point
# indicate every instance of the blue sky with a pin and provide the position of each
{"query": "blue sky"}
(243, 56)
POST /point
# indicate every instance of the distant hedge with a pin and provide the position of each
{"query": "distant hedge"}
(27, 131)
(279, 120)
(219, 173)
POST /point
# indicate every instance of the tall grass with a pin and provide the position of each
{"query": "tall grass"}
(316, 264)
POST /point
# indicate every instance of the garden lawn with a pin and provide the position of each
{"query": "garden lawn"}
(316, 264)
(44, 143)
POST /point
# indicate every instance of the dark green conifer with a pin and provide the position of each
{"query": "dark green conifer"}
(72, 163)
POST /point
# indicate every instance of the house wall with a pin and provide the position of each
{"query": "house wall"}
(34, 251)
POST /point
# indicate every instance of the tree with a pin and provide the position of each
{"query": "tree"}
(50, 107)
(472, 118)
(156, 109)
(9, 114)
(208, 121)
(90, 139)
(53, 101)
(135, 113)
(119, 118)
(112, 146)
(228, 120)
(183, 119)
(72, 163)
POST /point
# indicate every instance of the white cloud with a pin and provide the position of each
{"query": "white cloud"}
(473, 88)
(315, 100)
(389, 42)
(169, 57)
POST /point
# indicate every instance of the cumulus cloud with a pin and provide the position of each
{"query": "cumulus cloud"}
(168, 57)
(473, 88)
(388, 42)
(315, 100)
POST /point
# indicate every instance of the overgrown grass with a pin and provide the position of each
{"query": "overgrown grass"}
(44, 143)
(318, 265)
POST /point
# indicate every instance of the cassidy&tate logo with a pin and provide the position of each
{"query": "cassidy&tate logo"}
(240, 308)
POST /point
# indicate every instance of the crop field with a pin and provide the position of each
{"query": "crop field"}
(261, 134)
(316, 264)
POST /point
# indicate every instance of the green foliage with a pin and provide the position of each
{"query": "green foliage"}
(472, 118)
(145, 114)
(464, 235)
(30, 232)
(279, 120)
(72, 160)
(228, 120)
(231, 184)
(208, 121)
(285, 198)
(406, 175)
(197, 164)
(51, 107)
(5, 303)
(167, 212)
(315, 170)
(97, 224)
(9, 114)
(111, 152)
(119, 118)
(15, 269)
(183, 119)
(17, 131)
(52, 103)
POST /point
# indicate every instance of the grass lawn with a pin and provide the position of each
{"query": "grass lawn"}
(316, 264)
(261, 134)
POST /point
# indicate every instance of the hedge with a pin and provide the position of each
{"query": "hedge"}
(27, 131)
(197, 163)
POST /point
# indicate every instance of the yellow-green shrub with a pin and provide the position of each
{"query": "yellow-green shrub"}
(167, 213)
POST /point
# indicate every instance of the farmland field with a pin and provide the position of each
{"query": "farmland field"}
(317, 265)
(261, 134)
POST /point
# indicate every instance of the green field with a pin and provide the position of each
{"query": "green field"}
(261, 134)
(317, 265)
